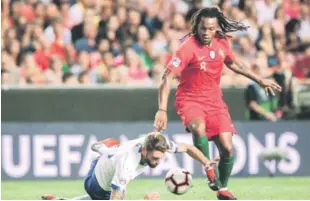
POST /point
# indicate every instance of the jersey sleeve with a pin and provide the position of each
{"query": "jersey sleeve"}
(122, 174)
(229, 55)
(173, 147)
(181, 59)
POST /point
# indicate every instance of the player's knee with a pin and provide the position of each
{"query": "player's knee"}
(197, 128)
(228, 151)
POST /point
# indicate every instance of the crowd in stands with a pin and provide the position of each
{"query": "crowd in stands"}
(89, 42)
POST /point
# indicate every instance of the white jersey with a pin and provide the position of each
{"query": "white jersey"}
(121, 164)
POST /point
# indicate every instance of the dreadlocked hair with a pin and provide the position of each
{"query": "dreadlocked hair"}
(226, 24)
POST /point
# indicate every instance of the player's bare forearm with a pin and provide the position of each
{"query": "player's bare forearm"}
(242, 69)
(164, 90)
(194, 153)
(117, 195)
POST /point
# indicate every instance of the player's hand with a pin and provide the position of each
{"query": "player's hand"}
(270, 86)
(161, 120)
(152, 196)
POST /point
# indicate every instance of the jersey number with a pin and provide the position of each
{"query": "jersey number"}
(203, 66)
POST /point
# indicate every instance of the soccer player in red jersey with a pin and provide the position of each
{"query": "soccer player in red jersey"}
(199, 63)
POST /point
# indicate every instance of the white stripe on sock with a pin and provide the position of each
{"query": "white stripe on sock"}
(223, 189)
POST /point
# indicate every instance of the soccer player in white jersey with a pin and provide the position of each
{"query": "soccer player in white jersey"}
(117, 165)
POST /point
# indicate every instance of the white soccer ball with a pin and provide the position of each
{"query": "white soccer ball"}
(178, 181)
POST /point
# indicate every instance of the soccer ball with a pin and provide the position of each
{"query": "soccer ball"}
(178, 181)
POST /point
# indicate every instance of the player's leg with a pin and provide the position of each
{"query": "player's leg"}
(224, 144)
(92, 186)
(220, 130)
(82, 197)
(52, 197)
(193, 117)
(102, 147)
(197, 127)
(110, 142)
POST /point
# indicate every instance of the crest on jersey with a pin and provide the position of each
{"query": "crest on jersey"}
(212, 54)
(176, 62)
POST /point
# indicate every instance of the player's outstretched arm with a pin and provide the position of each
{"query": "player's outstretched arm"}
(152, 196)
(197, 155)
(240, 68)
(160, 122)
(119, 195)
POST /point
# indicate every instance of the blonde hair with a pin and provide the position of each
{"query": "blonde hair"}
(156, 141)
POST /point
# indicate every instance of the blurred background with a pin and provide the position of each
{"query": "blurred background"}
(77, 71)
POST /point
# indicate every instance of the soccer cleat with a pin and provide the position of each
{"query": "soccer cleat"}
(225, 195)
(110, 142)
(213, 175)
(214, 183)
(107, 143)
(50, 197)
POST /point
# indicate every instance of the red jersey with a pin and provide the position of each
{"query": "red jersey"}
(199, 68)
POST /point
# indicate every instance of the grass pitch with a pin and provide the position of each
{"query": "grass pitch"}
(252, 188)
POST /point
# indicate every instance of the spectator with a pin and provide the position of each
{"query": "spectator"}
(106, 13)
(77, 31)
(266, 43)
(302, 67)
(39, 11)
(246, 50)
(137, 73)
(30, 71)
(131, 41)
(121, 15)
(57, 31)
(52, 13)
(265, 11)
(293, 42)
(304, 30)
(278, 25)
(119, 75)
(64, 11)
(260, 106)
(88, 42)
(112, 26)
(76, 11)
(14, 51)
(70, 79)
(42, 54)
(83, 63)
(55, 71)
(11, 72)
(84, 78)
(127, 33)
(143, 37)
(292, 8)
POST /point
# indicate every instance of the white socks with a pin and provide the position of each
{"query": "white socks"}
(83, 197)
